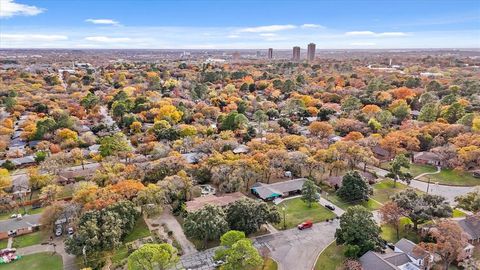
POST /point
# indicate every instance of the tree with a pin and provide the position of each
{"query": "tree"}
(208, 223)
(400, 109)
(248, 215)
(358, 228)
(151, 195)
(36, 180)
(5, 179)
(238, 252)
(469, 201)
(400, 162)
(450, 241)
(50, 193)
(50, 215)
(153, 256)
(309, 192)
(354, 187)
(321, 129)
(114, 145)
(429, 112)
(421, 208)
(391, 214)
(454, 112)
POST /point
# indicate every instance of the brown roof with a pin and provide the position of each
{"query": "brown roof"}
(200, 202)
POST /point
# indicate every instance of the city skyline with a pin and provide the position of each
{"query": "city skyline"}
(203, 25)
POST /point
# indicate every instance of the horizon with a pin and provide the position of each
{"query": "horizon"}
(188, 25)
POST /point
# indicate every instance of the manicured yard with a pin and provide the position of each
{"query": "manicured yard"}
(457, 213)
(370, 204)
(119, 254)
(382, 191)
(297, 211)
(30, 211)
(331, 258)
(27, 240)
(3, 243)
(269, 264)
(390, 234)
(38, 261)
(452, 177)
(139, 231)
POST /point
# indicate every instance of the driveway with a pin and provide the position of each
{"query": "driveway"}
(292, 249)
(69, 262)
(177, 230)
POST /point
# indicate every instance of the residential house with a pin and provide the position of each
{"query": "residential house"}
(200, 202)
(471, 227)
(428, 158)
(269, 192)
(381, 153)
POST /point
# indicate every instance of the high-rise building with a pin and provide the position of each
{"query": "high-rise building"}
(258, 54)
(270, 53)
(236, 56)
(296, 53)
(311, 52)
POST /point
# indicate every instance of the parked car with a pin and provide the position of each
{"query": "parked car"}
(305, 225)
(36, 206)
(218, 263)
(12, 233)
(70, 231)
(58, 230)
(331, 207)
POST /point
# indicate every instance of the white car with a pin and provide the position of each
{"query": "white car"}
(58, 231)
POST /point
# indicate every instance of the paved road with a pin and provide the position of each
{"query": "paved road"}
(292, 249)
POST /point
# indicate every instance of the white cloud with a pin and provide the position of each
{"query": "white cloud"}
(106, 39)
(8, 8)
(268, 28)
(311, 25)
(363, 44)
(102, 21)
(31, 37)
(373, 34)
(233, 36)
(268, 35)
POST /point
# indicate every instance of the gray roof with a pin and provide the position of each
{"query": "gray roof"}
(373, 261)
(396, 258)
(408, 247)
(193, 157)
(471, 226)
(241, 149)
(25, 222)
(427, 156)
(265, 191)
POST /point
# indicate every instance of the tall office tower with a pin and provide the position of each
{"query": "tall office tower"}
(270, 53)
(296, 53)
(311, 52)
(258, 54)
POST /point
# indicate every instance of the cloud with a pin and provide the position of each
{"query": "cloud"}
(363, 44)
(233, 36)
(268, 35)
(373, 34)
(311, 25)
(31, 37)
(8, 8)
(268, 28)
(106, 39)
(102, 21)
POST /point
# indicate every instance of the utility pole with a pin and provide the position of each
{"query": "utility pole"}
(428, 184)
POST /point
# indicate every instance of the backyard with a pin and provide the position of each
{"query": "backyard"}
(38, 261)
(297, 211)
(389, 233)
(331, 258)
(139, 231)
(26, 240)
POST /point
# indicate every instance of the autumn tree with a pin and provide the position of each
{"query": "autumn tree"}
(391, 214)
(5, 180)
(450, 242)
(321, 129)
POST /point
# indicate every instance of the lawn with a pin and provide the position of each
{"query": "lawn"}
(38, 261)
(3, 243)
(26, 240)
(139, 231)
(415, 169)
(452, 177)
(457, 213)
(297, 211)
(331, 258)
(30, 211)
(370, 204)
(269, 264)
(389, 233)
(382, 191)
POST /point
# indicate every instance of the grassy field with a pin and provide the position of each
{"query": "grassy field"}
(139, 231)
(331, 258)
(382, 191)
(269, 264)
(38, 261)
(390, 234)
(26, 240)
(3, 243)
(30, 211)
(298, 211)
(370, 204)
(457, 213)
(452, 177)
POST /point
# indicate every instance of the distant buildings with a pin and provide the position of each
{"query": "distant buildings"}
(296, 53)
(270, 53)
(311, 52)
(236, 56)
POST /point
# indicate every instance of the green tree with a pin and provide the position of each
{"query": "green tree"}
(429, 112)
(89, 101)
(421, 208)
(433, 86)
(309, 192)
(469, 201)
(208, 223)
(238, 252)
(248, 215)
(114, 145)
(400, 109)
(153, 256)
(358, 228)
(354, 187)
(454, 112)
(397, 168)
(350, 104)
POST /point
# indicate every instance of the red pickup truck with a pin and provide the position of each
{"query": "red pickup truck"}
(305, 225)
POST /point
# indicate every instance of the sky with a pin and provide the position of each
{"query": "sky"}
(240, 24)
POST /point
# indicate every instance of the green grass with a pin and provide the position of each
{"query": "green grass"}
(298, 211)
(331, 258)
(30, 211)
(38, 261)
(269, 264)
(27, 240)
(390, 234)
(370, 204)
(452, 177)
(382, 191)
(457, 213)
(139, 231)
(3, 243)
(119, 254)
